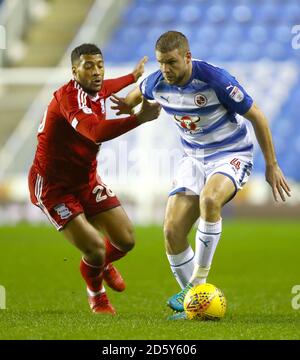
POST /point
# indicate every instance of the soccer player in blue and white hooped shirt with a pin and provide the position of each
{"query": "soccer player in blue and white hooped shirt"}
(205, 102)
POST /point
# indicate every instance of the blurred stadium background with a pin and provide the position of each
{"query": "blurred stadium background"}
(252, 39)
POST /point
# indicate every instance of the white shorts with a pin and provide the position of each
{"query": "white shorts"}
(193, 174)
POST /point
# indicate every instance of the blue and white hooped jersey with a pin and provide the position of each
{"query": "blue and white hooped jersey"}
(205, 111)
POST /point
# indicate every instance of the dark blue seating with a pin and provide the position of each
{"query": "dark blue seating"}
(222, 31)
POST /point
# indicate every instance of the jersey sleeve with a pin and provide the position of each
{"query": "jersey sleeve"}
(104, 130)
(75, 110)
(111, 86)
(148, 84)
(228, 90)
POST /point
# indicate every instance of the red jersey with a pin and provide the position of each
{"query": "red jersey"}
(72, 129)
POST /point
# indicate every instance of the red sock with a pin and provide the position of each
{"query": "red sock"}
(112, 253)
(92, 275)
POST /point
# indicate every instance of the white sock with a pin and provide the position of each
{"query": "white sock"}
(93, 293)
(207, 238)
(182, 266)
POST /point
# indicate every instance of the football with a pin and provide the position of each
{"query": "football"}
(204, 302)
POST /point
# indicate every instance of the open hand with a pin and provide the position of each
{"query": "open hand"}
(277, 181)
(120, 105)
(140, 68)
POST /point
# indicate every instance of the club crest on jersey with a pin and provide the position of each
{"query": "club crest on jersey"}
(236, 94)
(87, 110)
(200, 100)
(63, 211)
(189, 122)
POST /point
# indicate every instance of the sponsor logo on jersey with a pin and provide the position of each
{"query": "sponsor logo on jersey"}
(200, 100)
(189, 122)
(63, 211)
(165, 98)
(236, 94)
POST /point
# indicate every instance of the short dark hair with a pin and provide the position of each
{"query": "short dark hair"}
(172, 40)
(83, 49)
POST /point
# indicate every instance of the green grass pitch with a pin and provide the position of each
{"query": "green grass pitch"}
(256, 265)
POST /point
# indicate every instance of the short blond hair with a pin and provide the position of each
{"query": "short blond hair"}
(172, 40)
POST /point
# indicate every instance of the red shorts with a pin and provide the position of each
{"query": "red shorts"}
(61, 204)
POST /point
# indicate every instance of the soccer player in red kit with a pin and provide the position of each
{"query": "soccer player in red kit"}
(63, 179)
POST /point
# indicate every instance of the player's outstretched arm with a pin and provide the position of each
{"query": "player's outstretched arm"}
(126, 105)
(111, 86)
(274, 175)
(104, 130)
